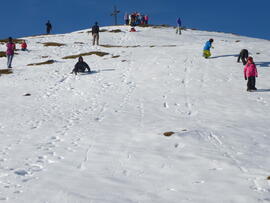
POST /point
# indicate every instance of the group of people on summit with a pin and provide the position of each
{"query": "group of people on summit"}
(250, 70)
(136, 18)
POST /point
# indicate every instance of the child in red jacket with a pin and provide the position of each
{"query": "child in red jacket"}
(250, 74)
(24, 46)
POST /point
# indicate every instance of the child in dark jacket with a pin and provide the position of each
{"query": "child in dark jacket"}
(243, 56)
(250, 74)
(80, 66)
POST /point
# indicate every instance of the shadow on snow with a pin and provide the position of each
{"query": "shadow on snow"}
(228, 55)
(263, 64)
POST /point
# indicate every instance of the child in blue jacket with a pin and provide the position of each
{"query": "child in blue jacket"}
(206, 49)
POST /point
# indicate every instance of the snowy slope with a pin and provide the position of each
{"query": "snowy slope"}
(99, 138)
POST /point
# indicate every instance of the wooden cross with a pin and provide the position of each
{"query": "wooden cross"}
(115, 13)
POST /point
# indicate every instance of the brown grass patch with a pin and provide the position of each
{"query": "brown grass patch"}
(117, 46)
(3, 54)
(78, 43)
(268, 178)
(19, 41)
(98, 53)
(258, 53)
(116, 31)
(116, 56)
(101, 30)
(237, 41)
(110, 46)
(53, 44)
(42, 63)
(5, 71)
(167, 134)
(152, 46)
(44, 57)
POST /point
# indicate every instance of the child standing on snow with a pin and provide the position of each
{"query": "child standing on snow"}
(250, 74)
(10, 52)
(206, 49)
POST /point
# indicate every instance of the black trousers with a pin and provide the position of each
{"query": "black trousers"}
(251, 83)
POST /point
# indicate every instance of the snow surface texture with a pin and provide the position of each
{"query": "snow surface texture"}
(98, 138)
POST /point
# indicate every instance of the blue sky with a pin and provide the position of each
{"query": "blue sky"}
(28, 17)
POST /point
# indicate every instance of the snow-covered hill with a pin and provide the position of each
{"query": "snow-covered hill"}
(99, 137)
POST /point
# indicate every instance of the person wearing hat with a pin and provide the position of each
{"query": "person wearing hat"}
(80, 66)
(95, 34)
(10, 51)
(250, 74)
(243, 56)
(206, 49)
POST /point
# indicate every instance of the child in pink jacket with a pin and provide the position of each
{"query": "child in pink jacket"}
(250, 74)
(10, 51)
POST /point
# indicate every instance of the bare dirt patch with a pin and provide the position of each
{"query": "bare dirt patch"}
(98, 53)
(18, 41)
(53, 44)
(118, 46)
(168, 134)
(42, 63)
(5, 71)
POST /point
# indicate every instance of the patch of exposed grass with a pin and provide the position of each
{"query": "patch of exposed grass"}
(258, 53)
(78, 43)
(116, 56)
(42, 63)
(5, 71)
(268, 178)
(237, 41)
(110, 46)
(98, 53)
(152, 46)
(3, 54)
(53, 44)
(117, 46)
(44, 56)
(167, 134)
(101, 30)
(116, 31)
(19, 41)
(123, 60)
